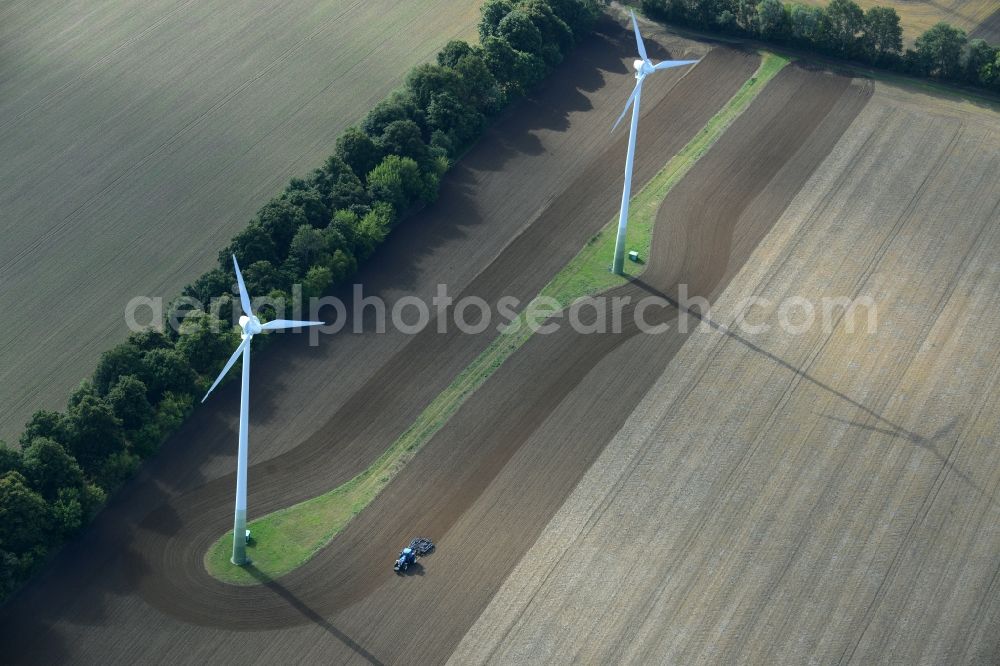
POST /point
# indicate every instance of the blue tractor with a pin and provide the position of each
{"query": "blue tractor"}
(408, 556)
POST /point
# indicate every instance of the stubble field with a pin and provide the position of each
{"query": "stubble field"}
(822, 497)
(978, 18)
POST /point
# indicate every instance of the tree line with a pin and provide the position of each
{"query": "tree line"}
(315, 234)
(842, 29)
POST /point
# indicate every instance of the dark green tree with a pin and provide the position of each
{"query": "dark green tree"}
(979, 55)
(557, 38)
(120, 360)
(305, 197)
(807, 24)
(845, 22)
(501, 59)
(520, 32)
(338, 185)
(579, 15)
(452, 52)
(24, 517)
(400, 105)
(772, 21)
(940, 50)
(989, 74)
(531, 70)
(492, 13)
(281, 219)
(358, 151)
(83, 390)
(309, 247)
(882, 38)
(10, 459)
(459, 121)
(129, 402)
(402, 138)
(48, 468)
(94, 433)
(150, 339)
(427, 80)
(44, 423)
(167, 370)
(262, 277)
(206, 342)
(211, 284)
(483, 90)
(252, 244)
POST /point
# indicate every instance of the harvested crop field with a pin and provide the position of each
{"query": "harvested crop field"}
(555, 151)
(139, 137)
(978, 18)
(826, 496)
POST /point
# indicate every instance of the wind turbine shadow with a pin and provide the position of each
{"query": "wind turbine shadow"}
(890, 428)
(310, 614)
(927, 443)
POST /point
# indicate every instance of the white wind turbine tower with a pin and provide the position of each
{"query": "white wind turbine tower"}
(643, 68)
(251, 326)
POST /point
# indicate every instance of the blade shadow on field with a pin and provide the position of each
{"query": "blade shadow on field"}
(927, 443)
(889, 427)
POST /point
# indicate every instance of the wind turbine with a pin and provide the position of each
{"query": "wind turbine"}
(643, 68)
(251, 326)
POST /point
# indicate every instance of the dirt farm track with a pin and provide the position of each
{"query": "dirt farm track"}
(715, 496)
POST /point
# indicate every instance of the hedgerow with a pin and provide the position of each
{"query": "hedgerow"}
(842, 29)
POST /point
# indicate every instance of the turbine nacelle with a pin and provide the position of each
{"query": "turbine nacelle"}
(642, 68)
(250, 325)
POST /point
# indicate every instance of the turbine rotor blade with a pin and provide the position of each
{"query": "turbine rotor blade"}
(628, 104)
(244, 299)
(638, 38)
(667, 64)
(279, 324)
(229, 364)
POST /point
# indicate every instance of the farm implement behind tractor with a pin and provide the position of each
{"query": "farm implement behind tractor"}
(408, 556)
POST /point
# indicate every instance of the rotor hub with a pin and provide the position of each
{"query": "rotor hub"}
(250, 325)
(642, 68)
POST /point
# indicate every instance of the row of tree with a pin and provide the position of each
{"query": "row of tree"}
(843, 29)
(315, 233)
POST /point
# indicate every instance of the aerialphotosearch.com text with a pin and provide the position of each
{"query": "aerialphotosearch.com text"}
(651, 314)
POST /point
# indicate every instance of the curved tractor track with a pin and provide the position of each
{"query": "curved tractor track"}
(489, 481)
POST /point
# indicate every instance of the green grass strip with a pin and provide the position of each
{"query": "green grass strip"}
(286, 539)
